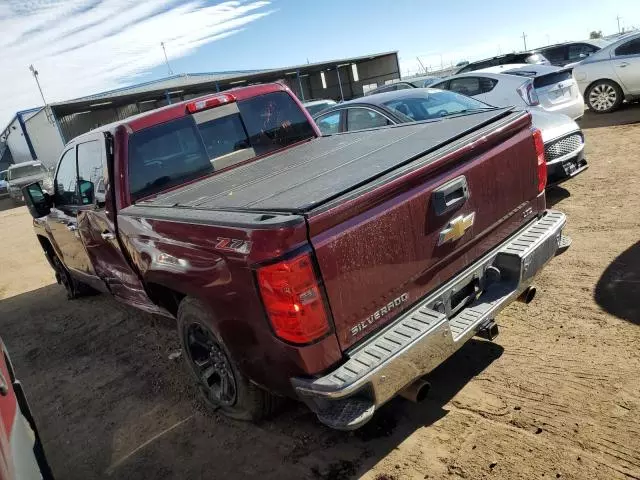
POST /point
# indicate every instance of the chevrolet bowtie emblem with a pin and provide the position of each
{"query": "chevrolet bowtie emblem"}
(456, 228)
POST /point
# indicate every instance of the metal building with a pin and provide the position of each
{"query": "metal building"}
(40, 133)
(337, 79)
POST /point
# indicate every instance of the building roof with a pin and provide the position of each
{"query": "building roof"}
(176, 82)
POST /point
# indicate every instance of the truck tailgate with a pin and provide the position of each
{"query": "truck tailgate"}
(383, 247)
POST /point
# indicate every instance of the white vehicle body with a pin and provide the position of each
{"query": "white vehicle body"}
(534, 87)
(610, 75)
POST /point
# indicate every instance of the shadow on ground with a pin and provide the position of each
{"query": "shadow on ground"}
(110, 404)
(8, 204)
(556, 194)
(618, 290)
(628, 113)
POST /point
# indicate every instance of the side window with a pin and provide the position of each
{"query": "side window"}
(329, 123)
(487, 84)
(556, 54)
(632, 47)
(441, 85)
(580, 51)
(67, 179)
(361, 118)
(468, 86)
(90, 172)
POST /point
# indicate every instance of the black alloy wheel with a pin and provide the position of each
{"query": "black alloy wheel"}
(211, 365)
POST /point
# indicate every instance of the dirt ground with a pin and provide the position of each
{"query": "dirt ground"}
(556, 396)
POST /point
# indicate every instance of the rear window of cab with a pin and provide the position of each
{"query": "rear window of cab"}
(169, 154)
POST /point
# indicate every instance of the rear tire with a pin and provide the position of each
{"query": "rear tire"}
(604, 96)
(219, 380)
(73, 288)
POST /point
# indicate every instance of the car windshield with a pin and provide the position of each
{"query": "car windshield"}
(435, 104)
(318, 107)
(25, 171)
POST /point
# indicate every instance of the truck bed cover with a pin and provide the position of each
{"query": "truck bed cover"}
(301, 178)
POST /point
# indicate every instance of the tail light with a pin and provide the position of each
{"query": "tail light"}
(542, 162)
(293, 299)
(210, 102)
(528, 94)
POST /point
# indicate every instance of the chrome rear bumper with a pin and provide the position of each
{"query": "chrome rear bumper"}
(424, 337)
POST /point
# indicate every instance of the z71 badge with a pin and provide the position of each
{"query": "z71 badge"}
(378, 314)
(233, 245)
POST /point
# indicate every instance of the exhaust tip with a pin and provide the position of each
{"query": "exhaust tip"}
(417, 391)
(528, 295)
(422, 392)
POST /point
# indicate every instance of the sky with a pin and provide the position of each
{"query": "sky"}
(81, 47)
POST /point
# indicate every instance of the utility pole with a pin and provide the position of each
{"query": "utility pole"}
(524, 39)
(618, 18)
(34, 72)
(166, 59)
(423, 68)
(47, 112)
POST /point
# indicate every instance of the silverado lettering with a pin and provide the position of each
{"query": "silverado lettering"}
(378, 314)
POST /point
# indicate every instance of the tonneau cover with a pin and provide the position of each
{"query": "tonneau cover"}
(303, 177)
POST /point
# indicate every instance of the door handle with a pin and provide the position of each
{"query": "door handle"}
(623, 64)
(107, 236)
(451, 195)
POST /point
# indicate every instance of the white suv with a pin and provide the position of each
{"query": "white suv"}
(611, 75)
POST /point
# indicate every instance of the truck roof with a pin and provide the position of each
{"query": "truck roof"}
(177, 110)
(303, 177)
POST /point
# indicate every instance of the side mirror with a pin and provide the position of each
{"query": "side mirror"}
(583, 55)
(38, 202)
(87, 192)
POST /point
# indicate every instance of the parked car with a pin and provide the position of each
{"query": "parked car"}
(570, 53)
(21, 174)
(536, 87)
(3, 183)
(22, 455)
(316, 106)
(530, 57)
(335, 270)
(611, 75)
(562, 137)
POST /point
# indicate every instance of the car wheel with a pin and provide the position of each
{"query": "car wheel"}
(604, 96)
(220, 382)
(73, 288)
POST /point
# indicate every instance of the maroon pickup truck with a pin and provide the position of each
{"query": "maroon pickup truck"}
(337, 270)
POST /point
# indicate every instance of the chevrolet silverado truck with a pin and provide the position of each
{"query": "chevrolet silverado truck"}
(337, 270)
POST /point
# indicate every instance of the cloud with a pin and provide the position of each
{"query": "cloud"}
(81, 47)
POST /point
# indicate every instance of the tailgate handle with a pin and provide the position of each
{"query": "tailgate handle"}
(451, 195)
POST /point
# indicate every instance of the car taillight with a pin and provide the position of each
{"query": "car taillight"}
(542, 162)
(528, 94)
(210, 102)
(293, 299)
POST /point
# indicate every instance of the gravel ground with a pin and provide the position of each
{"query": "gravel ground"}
(556, 396)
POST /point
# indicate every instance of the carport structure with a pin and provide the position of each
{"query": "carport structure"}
(342, 79)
